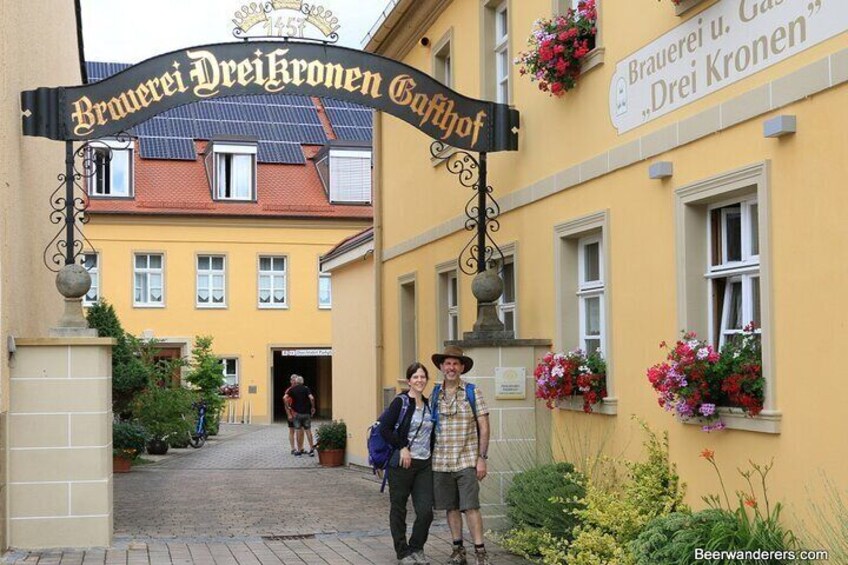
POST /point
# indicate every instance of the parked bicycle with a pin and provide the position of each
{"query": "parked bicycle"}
(199, 435)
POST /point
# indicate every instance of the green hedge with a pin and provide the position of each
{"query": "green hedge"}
(529, 498)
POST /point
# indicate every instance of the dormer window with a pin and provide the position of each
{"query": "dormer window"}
(346, 174)
(113, 172)
(231, 169)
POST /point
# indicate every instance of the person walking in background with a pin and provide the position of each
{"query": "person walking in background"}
(290, 412)
(460, 452)
(303, 407)
(410, 472)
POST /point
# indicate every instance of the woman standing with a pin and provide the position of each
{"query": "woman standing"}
(409, 470)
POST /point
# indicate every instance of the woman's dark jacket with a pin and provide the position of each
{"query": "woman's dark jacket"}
(400, 438)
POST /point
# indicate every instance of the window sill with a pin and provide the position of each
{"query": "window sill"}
(148, 305)
(273, 307)
(608, 406)
(593, 58)
(685, 6)
(767, 422)
(325, 307)
(211, 306)
(111, 197)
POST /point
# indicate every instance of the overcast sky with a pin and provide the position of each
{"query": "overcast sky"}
(129, 31)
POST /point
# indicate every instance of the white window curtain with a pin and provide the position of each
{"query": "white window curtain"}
(242, 178)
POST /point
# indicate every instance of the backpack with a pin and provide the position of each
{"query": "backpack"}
(379, 451)
(470, 396)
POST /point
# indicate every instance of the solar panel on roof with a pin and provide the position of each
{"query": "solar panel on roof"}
(353, 133)
(167, 148)
(286, 153)
(348, 117)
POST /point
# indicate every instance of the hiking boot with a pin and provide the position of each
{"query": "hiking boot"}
(298, 453)
(481, 557)
(457, 556)
(420, 558)
(312, 452)
(294, 451)
(408, 560)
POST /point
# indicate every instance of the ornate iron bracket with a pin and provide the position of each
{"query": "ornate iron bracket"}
(482, 210)
(257, 12)
(69, 202)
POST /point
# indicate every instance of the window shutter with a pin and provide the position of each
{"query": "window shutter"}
(350, 176)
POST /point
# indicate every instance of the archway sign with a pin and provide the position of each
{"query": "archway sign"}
(113, 105)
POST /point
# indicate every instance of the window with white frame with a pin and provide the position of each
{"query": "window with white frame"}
(443, 60)
(230, 368)
(325, 290)
(447, 302)
(231, 169)
(272, 282)
(210, 281)
(733, 269)
(506, 303)
(350, 176)
(113, 168)
(453, 305)
(91, 262)
(148, 275)
(501, 48)
(590, 293)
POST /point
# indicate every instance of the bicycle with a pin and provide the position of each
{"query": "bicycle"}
(199, 435)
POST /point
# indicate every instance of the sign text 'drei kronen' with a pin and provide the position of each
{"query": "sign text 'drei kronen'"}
(725, 43)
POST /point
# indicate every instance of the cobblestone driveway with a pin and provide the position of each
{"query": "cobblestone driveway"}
(243, 499)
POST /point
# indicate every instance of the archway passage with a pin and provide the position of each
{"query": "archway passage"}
(231, 69)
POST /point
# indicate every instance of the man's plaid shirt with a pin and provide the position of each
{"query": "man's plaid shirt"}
(456, 434)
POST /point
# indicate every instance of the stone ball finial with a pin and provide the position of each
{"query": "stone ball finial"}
(487, 286)
(73, 281)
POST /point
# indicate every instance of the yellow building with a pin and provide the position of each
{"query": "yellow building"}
(691, 181)
(211, 221)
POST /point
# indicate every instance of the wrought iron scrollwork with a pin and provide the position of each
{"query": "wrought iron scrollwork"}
(481, 209)
(69, 202)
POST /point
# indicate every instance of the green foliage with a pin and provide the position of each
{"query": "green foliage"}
(128, 439)
(332, 435)
(614, 515)
(531, 499)
(830, 522)
(207, 375)
(129, 374)
(534, 544)
(165, 411)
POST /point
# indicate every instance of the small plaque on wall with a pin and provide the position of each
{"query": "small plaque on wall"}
(510, 383)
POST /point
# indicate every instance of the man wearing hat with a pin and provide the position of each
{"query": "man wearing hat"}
(460, 452)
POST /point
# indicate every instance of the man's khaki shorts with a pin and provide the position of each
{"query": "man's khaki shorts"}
(456, 491)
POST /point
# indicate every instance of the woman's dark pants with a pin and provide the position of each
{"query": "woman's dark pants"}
(418, 481)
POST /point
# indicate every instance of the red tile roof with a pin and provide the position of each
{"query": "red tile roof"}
(181, 188)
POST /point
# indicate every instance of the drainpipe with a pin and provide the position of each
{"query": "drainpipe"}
(377, 198)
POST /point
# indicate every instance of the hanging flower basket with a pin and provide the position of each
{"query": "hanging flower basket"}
(557, 46)
(560, 376)
(695, 378)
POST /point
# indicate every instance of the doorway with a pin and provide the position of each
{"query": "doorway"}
(315, 366)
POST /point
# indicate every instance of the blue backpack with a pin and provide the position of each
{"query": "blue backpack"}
(470, 395)
(379, 451)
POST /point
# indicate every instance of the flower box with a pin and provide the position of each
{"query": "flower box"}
(571, 379)
(698, 383)
(557, 47)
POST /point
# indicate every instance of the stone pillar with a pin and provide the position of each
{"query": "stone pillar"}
(59, 443)
(520, 434)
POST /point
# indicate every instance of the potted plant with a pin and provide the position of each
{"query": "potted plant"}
(128, 440)
(331, 443)
(165, 412)
(556, 48)
(695, 378)
(563, 375)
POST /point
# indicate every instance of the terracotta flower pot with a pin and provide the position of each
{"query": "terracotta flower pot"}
(331, 457)
(121, 464)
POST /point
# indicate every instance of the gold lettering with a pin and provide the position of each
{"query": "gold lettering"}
(245, 73)
(315, 73)
(400, 89)
(116, 109)
(371, 84)
(204, 73)
(278, 71)
(143, 92)
(352, 75)
(334, 76)
(83, 116)
(228, 69)
(180, 85)
(167, 84)
(478, 125)
(151, 85)
(298, 66)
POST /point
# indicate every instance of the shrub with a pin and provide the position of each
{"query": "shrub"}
(536, 545)
(530, 498)
(614, 516)
(673, 538)
(129, 374)
(207, 375)
(332, 435)
(165, 412)
(128, 439)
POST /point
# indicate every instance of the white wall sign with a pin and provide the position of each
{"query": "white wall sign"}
(729, 41)
(510, 383)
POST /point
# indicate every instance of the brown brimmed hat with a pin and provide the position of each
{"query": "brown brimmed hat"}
(455, 352)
